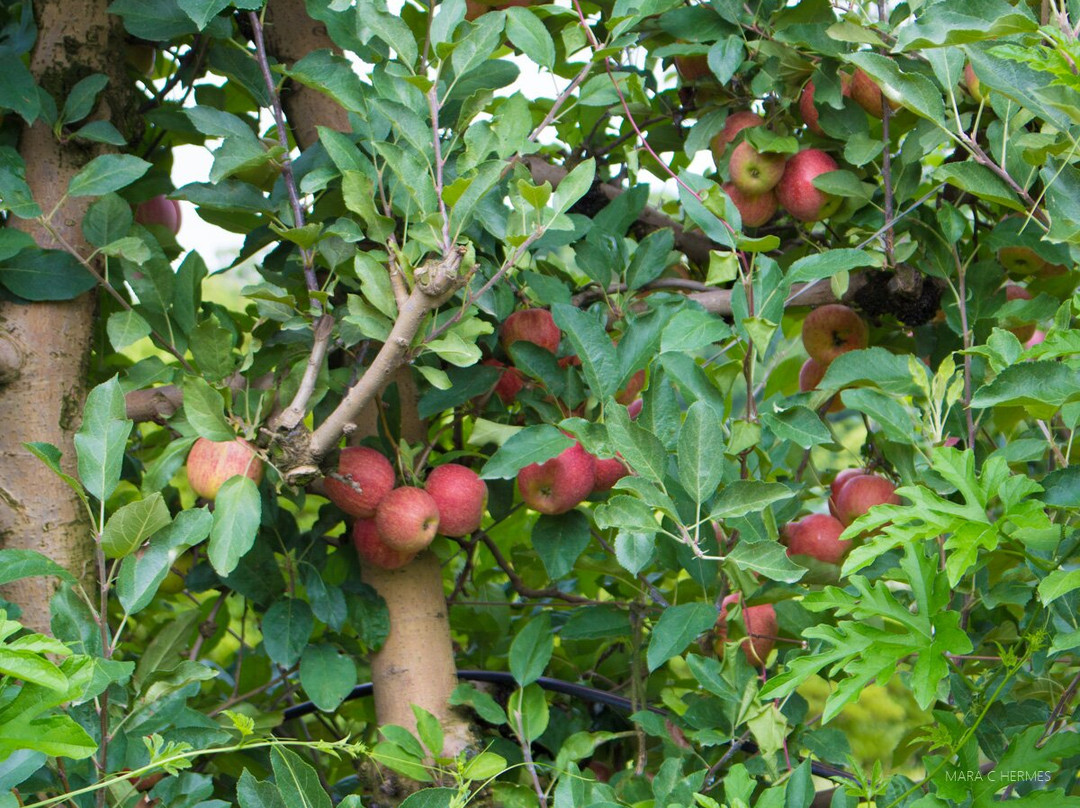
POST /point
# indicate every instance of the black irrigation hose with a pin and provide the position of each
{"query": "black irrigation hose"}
(557, 686)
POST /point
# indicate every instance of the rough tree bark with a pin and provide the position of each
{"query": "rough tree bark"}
(51, 340)
(416, 665)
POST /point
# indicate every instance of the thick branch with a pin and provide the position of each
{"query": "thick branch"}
(428, 294)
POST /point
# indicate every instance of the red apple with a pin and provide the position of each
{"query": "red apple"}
(210, 464)
(796, 192)
(407, 519)
(808, 111)
(609, 471)
(733, 124)
(160, 210)
(461, 497)
(558, 485)
(760, 624)
(831, 330)
(362, 478)
(532, 325)
(861, 493)
(1025, 331)
(867, 94)
(510, 381)
(755, 173)
(810, 376)
(840, 480)
(753, 210)
(372, 550)
(817, 536)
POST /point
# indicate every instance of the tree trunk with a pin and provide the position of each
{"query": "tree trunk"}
(51, 341)
(416, 665)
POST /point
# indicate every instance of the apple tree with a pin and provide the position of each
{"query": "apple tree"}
(610, 404)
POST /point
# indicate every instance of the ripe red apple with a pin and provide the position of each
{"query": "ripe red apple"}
(210, 464)
(461, 497)
(753, 210)
(972, 84)
(609, 471)
(1025, 331)
(1019, 260)
(865, 92)
(510, 381)
(362, 479)
(160, 210)
(810, 376)
(861, 493)
(755, 173)
(831, 330)
(558, 485)
(808, 112)
(817, 536)
(372, 550)
(840, 480)
(407, 519)
(733, 124)
(796, 192)
(532, 325)
(760, 624)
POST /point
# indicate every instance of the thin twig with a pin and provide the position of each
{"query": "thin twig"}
(520, 586)
(294, 414)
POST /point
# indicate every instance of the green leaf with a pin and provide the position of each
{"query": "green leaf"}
(528, 34)
(485, 706)
(534, 444)
(202, 12)
(18, 91)
(80, 100)
(831, 262)
(102, 438)
(979, 181)
(32, 668)
(153, 20)
(16, 564)
(327, 676)
(800, 425)
(559, 540)
(109, 172)
(692, 329)
(634, 551)
(574, 185)
(55, 735)
(701, 452)
(748, 496)
(725, 56)
(298, 782)
(431, 798)
(531, 650)
(205, 410)
(15, 194)
(1041, 387)
(286, 627)
(677, 627)
(456, 350)
(960, 22)
(527, 712)
(237, 512)
(390, 28)
(767, 558)
(37, 275)
(1058, 583)
(252, 793)
(132, 524)
(592, 346)
(125, 328)
(101, 132)
(142, 574)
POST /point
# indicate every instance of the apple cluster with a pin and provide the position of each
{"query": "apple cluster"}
(395, 523)
(827, 332)
(564, 482)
